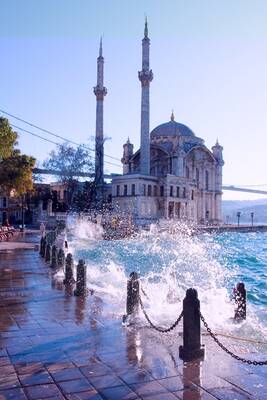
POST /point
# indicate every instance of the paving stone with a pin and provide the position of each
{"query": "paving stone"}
(135, 376)
(59, 366)
(3, 352)
(148, 389)
(75, 386)
(42, 391)
(6, 370)
(197, 394)
(66, 374)
(95, 369)
(230, 393)
(32, 368)
(4, 361)
(88, 395)
(176, 383)
(106, 381)
(12, 394)
(163, 396)
(250, 383)
(118, 392)
(35, 379)
(9, 382)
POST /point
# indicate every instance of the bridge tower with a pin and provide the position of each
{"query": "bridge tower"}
(100, 92)
(217, 151)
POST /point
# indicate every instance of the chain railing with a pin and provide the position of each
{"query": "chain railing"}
(224, 348)
(159, 329)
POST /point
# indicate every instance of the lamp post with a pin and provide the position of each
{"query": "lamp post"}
(252, 218)
(238, 217)
(207, 216)
(22, 213)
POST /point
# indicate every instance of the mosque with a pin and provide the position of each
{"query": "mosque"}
(172, 175)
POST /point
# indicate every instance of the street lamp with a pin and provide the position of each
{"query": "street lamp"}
(22, 212)
(238, 217)
(207, 216)
(252, 218)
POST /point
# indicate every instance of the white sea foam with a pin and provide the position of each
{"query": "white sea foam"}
(169, 261)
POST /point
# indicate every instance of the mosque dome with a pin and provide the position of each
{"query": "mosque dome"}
(171, 128)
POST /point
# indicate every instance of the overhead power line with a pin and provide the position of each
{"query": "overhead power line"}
(53, 134)
(51, 141)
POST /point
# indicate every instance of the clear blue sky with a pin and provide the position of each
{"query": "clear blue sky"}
(209, 60)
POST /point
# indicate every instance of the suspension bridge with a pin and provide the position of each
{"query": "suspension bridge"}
(232, 188)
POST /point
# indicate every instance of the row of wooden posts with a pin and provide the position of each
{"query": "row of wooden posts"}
(192, 348)
(57, 260)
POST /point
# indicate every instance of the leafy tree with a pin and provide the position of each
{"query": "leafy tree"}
(15, 168)
(8, 139)
(70, 162)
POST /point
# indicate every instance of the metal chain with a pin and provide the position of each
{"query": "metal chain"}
(244, 360)
(161, 330)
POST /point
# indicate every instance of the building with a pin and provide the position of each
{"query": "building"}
(173, 174)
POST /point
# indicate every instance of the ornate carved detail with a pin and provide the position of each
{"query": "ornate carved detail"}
(100, 92)
(145, 77)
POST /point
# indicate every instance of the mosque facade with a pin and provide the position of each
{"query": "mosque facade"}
(173, 174)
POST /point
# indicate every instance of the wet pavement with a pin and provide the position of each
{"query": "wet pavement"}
(54, 345)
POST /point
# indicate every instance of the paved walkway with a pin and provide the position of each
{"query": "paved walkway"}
(57, 346)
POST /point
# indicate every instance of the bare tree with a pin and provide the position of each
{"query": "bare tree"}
(71, 163)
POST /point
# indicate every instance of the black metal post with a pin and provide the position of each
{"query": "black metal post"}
(81, 279)
(48, 253)
(41, 245)
(240, 295)
(192, 348)
(69, 280)
(132, 301)
(54, 256)
(61, 258)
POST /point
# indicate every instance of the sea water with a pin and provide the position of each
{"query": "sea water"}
(172, 261)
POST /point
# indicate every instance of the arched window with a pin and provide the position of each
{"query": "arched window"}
(206, 180)
(197, 177)
(187, 172)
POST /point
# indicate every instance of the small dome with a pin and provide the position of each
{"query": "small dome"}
(171, 128)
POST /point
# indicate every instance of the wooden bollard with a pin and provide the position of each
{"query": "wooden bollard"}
(54, 256)
(69, 280)
(48, 253)
(81, 279)
(240, 295)
(132, 301)
(61, 258)
(192, 348)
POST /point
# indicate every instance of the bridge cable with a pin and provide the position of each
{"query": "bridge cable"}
(51, 141)
(54, 134)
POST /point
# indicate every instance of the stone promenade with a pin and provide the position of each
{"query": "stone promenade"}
(57, 346)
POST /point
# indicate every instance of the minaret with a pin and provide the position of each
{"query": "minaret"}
(145, 77)
(127, 155)
(100, 92)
